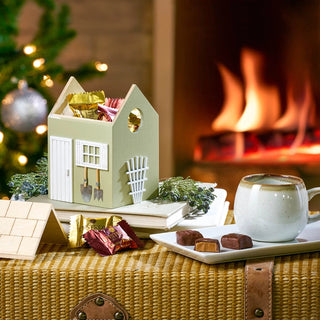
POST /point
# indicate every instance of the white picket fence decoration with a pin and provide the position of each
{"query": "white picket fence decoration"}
(137, 167)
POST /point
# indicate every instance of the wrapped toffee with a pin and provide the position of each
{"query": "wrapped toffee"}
(106, 113)
(114, 103)
(112, 239)
(85, 104)
(79, 225)
(109, 110)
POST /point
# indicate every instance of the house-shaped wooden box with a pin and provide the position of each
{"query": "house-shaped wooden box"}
(103, 163)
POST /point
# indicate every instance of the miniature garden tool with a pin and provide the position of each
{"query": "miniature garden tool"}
(98, 193)
(86, 190)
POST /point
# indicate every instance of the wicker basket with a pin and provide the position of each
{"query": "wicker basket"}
(152, 283)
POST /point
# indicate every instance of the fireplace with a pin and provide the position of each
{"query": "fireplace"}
(247, 95)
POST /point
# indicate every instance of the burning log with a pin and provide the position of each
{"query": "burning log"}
(263, 146)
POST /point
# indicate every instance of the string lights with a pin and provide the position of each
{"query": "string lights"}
(38, 63)
(41, 129)
(100, 66)
(29, 49)
(22, 159)
(47, 81)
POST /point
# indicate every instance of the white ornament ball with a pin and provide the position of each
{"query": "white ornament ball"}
(23, 109)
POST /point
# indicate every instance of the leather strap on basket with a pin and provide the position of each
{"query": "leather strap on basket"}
(258, 289)
(98, 306)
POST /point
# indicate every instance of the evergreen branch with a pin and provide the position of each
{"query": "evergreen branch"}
(63, 18)
(25, 186)
(9, 12)
(179, 189)
(9, 26)
(48, 4)
(54, 33)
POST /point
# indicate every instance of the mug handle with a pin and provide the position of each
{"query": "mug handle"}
(311, 193)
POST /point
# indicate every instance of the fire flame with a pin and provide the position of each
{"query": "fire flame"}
(262, 107)
(233, 102)
(262, 103)
(300, 112)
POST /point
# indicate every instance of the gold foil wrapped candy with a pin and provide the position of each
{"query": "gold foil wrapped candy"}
(85, 104)
(79, 225)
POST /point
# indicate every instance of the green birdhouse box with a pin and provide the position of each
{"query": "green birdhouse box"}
(102, 163)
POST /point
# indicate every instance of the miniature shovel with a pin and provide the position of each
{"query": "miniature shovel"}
(98, 193)
(86, 190)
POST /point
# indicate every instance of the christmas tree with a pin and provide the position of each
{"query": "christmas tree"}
(26, 75)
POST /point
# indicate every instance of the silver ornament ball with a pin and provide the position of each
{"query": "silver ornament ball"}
(23, 109)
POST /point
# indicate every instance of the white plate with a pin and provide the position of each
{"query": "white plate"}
(307, 241)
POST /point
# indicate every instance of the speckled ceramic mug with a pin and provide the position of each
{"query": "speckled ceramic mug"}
(272, 208)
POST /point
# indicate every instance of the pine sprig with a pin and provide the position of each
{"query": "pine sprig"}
(180, 189)
(27, 185)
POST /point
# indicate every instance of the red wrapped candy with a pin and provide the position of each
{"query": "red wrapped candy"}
(112, 239)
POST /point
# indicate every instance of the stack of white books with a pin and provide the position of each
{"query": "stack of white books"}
(216, 216)
(150, 216)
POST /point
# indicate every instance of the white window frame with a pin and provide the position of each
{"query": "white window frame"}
(103, 154)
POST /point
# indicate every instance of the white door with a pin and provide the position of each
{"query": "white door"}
(60, 169)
